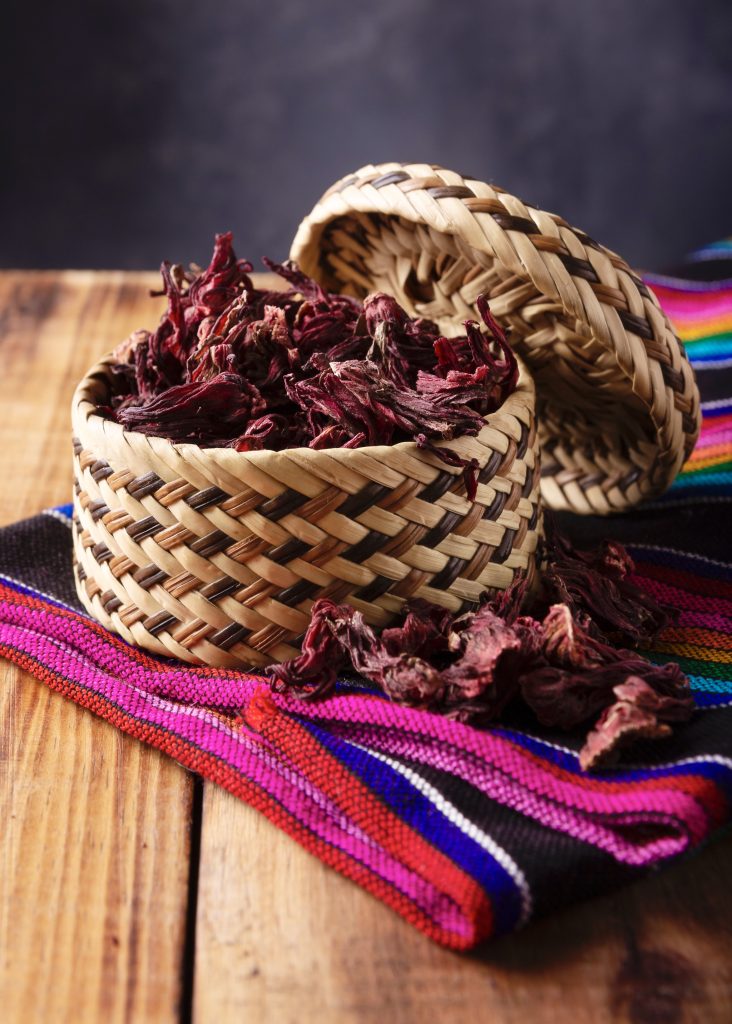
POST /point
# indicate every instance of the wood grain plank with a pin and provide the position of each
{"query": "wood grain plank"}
(94, 846)
(281, 938)
(94, 865)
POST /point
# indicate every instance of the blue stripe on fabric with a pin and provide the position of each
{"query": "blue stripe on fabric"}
(707, 477)
(421, 815)
(720, 774)
(702, 685)
(23, 588)
(687, 561)
(708, 698)
(720, 407)
(701, 490)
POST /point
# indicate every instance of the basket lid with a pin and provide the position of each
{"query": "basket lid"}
(618, 403)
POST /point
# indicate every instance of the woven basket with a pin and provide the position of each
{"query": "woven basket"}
(618, 404)
(215, 556)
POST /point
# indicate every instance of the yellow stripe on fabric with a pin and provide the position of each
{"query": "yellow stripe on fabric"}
(695, 651)
(703, 328)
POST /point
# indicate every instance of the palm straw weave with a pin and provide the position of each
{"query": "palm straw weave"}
(215, 556)
(617, 401)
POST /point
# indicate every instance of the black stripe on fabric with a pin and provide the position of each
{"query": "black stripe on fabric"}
(700, 530)
(38, 552)
(559, 870)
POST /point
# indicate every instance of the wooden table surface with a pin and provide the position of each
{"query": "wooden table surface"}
(132, 891)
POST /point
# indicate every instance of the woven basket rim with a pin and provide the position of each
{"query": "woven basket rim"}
(83, 407)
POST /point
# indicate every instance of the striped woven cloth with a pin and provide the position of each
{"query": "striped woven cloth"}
(467, 833)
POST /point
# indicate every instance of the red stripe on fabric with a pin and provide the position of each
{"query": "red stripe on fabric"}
(684, 580)
(365, 808)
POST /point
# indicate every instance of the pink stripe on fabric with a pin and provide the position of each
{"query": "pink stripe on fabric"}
(690, 307)
(710, 437)
(697, 620)
(679, 598)
(245, 752)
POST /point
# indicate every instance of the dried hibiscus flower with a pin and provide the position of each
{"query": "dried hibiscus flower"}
(554, 660)
(231, 364)
(597, 588)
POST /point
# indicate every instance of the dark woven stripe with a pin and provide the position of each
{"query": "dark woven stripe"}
(688, 423)
(300, 591)
(230, 635)
(101, 553)
(97, 509)
(292, 548)
(371, 543)
(100, 470)
(491, 467)
(149, 575)
(449, 574)
(523, 442)
(283, 504)
(674, 378)
(157, 623)
(220, 588)
(578, 267)
(509, 222)
(144, 528)
(357, 503)
(451, 192)
(442, 482)
(438, 532)
(392, 178)
(110, 601)
(203, 499)
(495, 508)
(504, 549)
(144, 485)
(375, 589)
(211, 543)
(636, 324)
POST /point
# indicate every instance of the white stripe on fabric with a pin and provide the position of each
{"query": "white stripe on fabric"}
(684, 554)
(55, 514)
(465, 825)
(714, 499)
(710, 364)
(41, 593)
(718, 403)
(686, 284)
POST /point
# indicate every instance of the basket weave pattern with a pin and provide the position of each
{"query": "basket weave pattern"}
(618, 404)
(215, 556)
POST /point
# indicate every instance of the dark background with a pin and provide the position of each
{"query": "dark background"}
(133, 131)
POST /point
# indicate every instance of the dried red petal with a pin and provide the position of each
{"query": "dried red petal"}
(491, 655)
(313, 673)
(595, 585)
(339, 630)
(188, 412)
(639, 712)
